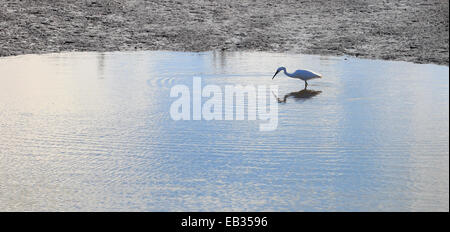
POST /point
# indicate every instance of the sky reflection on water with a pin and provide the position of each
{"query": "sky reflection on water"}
(92, 131)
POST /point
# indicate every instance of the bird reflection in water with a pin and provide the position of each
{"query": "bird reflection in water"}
(300, 95)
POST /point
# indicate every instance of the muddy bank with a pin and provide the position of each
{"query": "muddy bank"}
(409, 30)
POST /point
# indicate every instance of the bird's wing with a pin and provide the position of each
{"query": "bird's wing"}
(307, 74)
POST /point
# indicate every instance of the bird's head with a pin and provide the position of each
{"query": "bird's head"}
(278, 70)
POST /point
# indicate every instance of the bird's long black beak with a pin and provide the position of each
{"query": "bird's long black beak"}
(275, 74)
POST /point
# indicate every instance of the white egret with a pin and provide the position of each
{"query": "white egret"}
(304, 75)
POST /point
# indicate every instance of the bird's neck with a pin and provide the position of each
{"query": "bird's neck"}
(287, 74)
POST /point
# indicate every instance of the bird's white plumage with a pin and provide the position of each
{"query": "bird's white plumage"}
(305, 74)
(299, 74)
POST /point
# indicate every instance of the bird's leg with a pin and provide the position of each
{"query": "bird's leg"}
(306, 84)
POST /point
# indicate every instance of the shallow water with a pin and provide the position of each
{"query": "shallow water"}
(92, 131)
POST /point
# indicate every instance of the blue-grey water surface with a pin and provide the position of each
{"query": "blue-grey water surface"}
(92, 131)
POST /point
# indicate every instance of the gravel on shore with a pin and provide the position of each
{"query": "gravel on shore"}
(408, 30)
